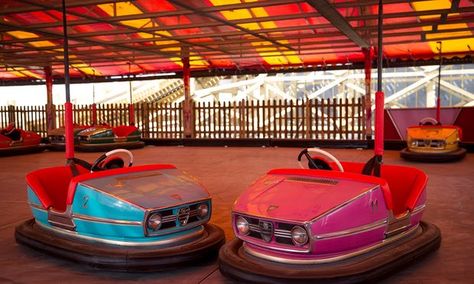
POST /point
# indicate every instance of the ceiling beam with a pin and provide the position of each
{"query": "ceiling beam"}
(338, 21)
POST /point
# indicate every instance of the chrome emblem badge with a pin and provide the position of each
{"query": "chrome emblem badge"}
(266, 230)
(183, 216)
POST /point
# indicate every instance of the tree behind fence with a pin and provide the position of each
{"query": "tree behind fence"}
(281, 119)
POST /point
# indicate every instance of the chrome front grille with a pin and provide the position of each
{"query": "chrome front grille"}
(56, 139)
(277, 233)
(178, 218)
(428, 143)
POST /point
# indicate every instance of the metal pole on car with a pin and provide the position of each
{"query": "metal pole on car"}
(131, 109)
(379, 95)
(94, 107)
(374, 164)
(68, 106)
(438, 99)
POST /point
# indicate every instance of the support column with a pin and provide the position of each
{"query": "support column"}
(50, 113)
(131, 108)
(369, 56)
(94, 114)
(379, 96)
(93, 106)
(68, 117)
(187, 104)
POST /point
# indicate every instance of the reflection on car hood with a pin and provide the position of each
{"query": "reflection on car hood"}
(297, 198)
(61, 130)
(151, 189)
(94, 130)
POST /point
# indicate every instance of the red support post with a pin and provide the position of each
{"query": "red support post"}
(368, 56)
(131, 111)
(69, 131)
(50, 115)
(187, 111)
(379, 122)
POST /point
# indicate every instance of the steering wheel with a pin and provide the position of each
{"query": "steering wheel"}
(111, 160)
(429, 121)
(318, 163)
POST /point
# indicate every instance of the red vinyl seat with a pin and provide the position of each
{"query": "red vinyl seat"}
(406, 184)
(123, 131)
(51, 185)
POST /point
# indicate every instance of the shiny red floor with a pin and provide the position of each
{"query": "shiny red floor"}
(226, 172)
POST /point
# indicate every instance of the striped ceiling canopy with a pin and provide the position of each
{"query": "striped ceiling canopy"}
(110, 38)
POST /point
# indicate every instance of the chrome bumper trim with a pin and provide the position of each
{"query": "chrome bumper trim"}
(280, 259)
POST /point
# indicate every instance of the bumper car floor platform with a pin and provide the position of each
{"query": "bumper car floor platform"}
(450, 196)
(234, 262)
(111, 257)
(433, 157)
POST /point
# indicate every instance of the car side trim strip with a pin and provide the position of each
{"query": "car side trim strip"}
(354, 231)
(104, 220)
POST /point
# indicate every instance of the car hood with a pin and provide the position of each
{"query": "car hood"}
(430, 132)
(150, 189)
(298, 198)
(61, 130)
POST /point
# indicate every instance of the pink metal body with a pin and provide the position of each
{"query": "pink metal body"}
(343, 212)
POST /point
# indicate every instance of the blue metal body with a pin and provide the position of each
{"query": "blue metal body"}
(115, 207)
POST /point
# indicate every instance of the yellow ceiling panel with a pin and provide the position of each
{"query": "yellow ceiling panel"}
(275, 58)
(42, 43)
(22, 34)
(451, 45)
(128, 8)
(120, 9)
(139, 24)
(84, 68)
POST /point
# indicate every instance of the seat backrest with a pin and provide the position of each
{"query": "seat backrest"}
(121, 131)
(51, 185)
(405, 184)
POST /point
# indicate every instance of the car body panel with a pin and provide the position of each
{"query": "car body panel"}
(433, 138)
(150, 189)
(273, 196)
(114, 205)
(344, 214)
(105, 134)
(57, 136)
(27, 139)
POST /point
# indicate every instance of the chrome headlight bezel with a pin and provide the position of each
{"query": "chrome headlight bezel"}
(202, 210)
(299, 236)
(154, 222)
(242, 226)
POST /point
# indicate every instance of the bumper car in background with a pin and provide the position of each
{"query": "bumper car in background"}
(104, 138)
(98, 138)
(432, 142)
(57, 138)
(17, 141)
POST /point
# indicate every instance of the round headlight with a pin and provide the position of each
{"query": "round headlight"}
(202, 210)
(154, 222)
(242, 225)
(299, 236)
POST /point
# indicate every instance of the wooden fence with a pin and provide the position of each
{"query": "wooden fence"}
(333, 119)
